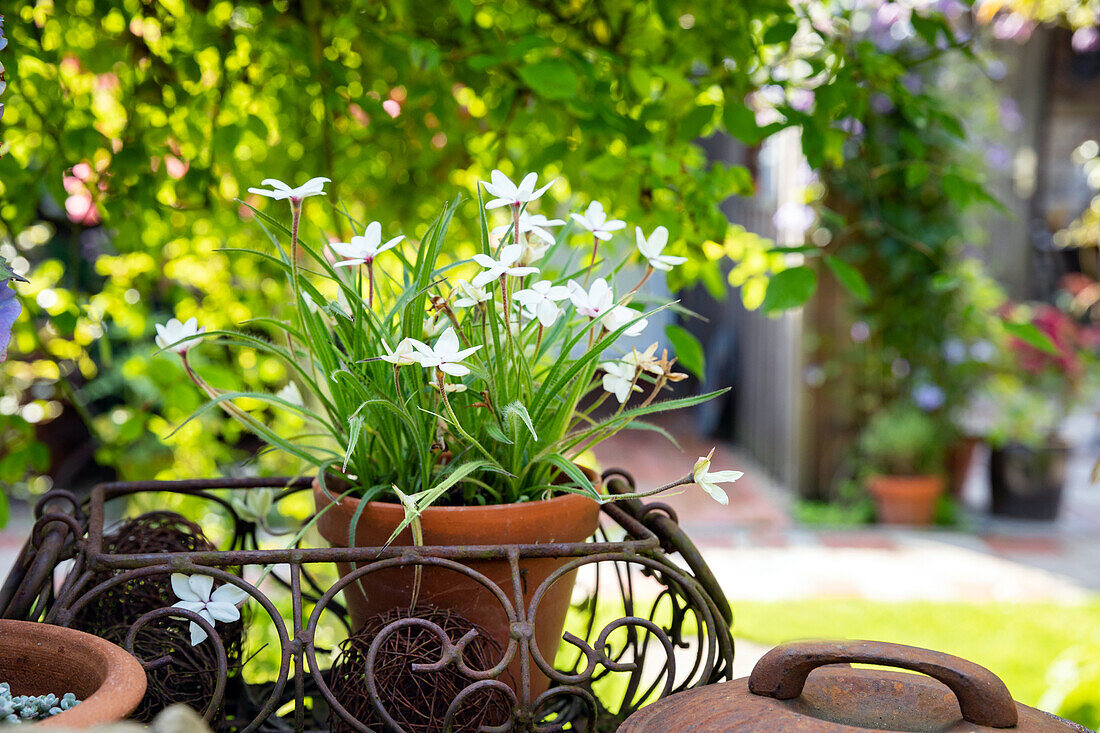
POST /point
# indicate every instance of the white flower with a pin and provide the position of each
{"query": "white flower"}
(170, 334)
(509, 194)
(619, 316)
(540, 301)
(469, 295)
(290, 393)
(708, 480)
(445, 355)
(194, 595)
(619, 380)
(363, 250)
(508, 264)
(595, 220)
(312, 187)
(404, 354)
(593, 302)
(651, 249)
(530, 224)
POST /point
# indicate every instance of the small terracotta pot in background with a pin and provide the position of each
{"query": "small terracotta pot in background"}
(905, 499)
(568, 518)
(37, 659)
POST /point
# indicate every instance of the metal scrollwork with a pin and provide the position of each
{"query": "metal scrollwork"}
(647, 617)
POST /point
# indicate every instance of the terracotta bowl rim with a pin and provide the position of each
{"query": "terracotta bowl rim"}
(117, 695)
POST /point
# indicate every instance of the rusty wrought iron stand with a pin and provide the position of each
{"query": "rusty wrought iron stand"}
(676, 632)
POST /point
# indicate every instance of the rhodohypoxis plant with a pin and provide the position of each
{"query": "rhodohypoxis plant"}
(435, 378)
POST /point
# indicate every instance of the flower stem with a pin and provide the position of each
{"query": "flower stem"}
(370, 285)
(595, 250)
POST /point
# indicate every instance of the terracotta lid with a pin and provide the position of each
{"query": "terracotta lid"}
(37, 659)
(794, 688)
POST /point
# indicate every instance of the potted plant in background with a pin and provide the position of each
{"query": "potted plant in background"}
(1043, 376)
(449, 389)
(903, 449)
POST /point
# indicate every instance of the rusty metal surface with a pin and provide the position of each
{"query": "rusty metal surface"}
(793, 688)
(654, 616)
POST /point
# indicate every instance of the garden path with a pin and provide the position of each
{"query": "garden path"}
(759, 552)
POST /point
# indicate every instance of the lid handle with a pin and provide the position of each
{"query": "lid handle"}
(983, 697)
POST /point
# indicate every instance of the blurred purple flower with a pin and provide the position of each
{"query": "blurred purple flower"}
(913, 82)
(1011, 119)
(9, 311)
(882, 104)
(983, 351)
(1086, 39)
(851, 125)
(954, 351)
(999, 157)
(900, 368)
(928, 397)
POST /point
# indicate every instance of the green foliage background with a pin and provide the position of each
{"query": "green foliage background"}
(178, 107)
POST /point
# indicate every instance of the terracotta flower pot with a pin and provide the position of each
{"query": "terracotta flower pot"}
(905, 499)
(569, 518)
(37, 659)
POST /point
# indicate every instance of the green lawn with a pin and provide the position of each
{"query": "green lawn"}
(1046, 653)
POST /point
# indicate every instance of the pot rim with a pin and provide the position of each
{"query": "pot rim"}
(118, 693)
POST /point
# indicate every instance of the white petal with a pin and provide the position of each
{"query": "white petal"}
(541, 191)
(715, 492)
(392, 243)
(201, 585)
(503, 184)
(198, 635)
(724, 477)
(455, 370)
(373, 235)
(182, 588)
(350, 263)
(497, 203)
(659, 238)
(228, 593)
(224, 612)
(275, 183)
(510, 254)
(601, 235)
(486, 277)
(526, 187)
(193, 606)
(582, 221)
(614, 225)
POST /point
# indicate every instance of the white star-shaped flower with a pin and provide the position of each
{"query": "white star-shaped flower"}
(593, 302)
(170, 334)
(595, 220)
(508, 264)
(619, 380)
(619, 316)
(509, 194)
(708, 480)
(534, 224)
(446, 354)
(406, 352)
(362, 250)
(280, 190)
(540, 301)
(468, 295)
(194, 595)
(652, 247)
